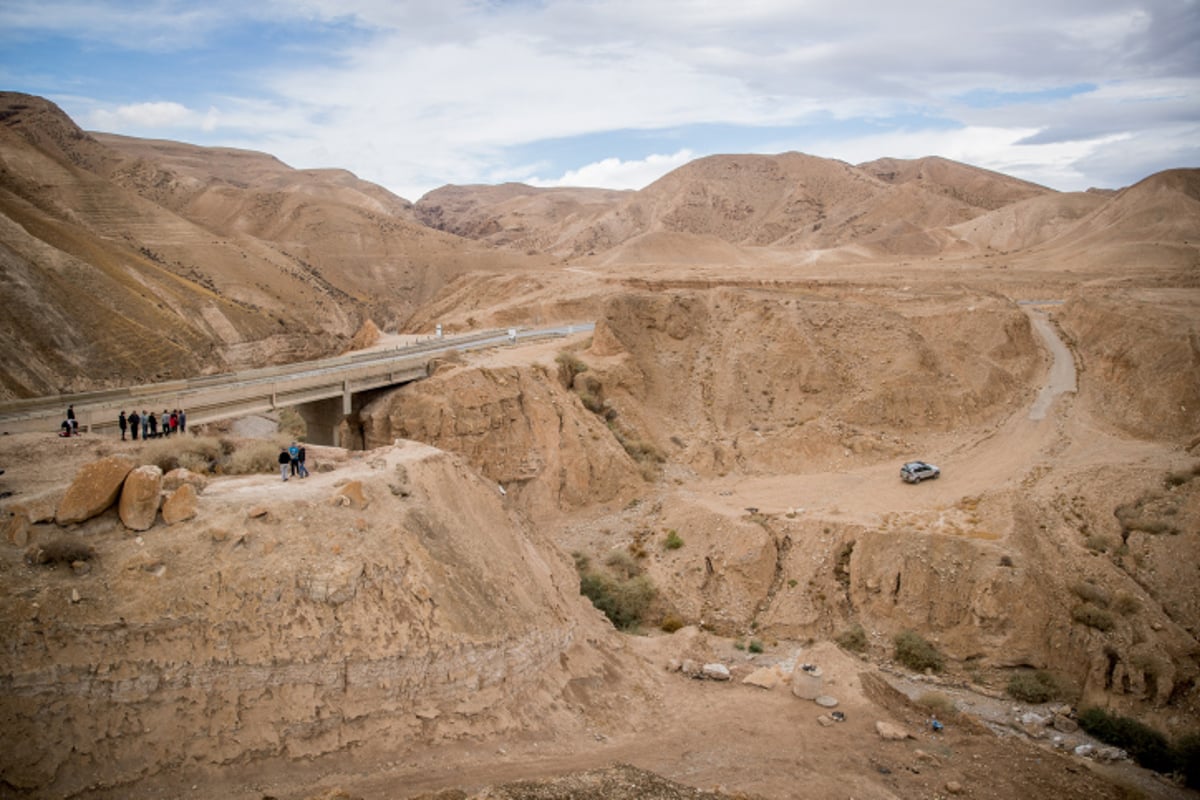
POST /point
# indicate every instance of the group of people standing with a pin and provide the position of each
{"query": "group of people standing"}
(291, 461)
(170, 422)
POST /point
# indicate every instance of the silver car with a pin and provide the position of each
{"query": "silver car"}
(917, 471)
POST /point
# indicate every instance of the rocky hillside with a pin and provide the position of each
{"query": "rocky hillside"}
(790, 200)
(387, 599)
(129, 260)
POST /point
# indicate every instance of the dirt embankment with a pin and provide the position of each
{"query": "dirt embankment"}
(391, 600)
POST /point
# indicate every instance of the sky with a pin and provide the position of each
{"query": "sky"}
(416, 94)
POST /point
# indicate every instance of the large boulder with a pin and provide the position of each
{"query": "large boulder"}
(94, 490)
(140, 497)
(180, 505)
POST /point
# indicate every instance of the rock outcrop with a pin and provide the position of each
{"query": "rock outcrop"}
(141, 496)
(95, 488)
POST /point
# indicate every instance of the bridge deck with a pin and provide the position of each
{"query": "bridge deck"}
(214, 397)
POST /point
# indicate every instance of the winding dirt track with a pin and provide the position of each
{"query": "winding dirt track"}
(991, 460)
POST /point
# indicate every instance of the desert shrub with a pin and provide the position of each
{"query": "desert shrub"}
(1098, 543)
(61, 550)
(592, 402)
(1033, 686)
(915, 653)
(672, 542)
(1006, 561)
(195, 463)
(621, 591)
(1093, 617)
(569, 365)
(671, 623)
(638, 449)
(1125, 603)
(291, 424)
(853, 638)
(623, 601)
(937, 703)
(1091, 593)
(1145, 745)
(755, 646)
(253, 457)
(623, 563)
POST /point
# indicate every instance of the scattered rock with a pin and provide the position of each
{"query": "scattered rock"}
(94, 490)
(954, 787)
(1064, 724)
(824, 721)
(764, 678)
(75, 596)
(928, 758)
(891, 732)
(690, 668)
(180, 477)
(16, 530)
(38, 507)
(351, 494)
(141, 495)
(181, 505)
(258, 512)
(1084, 750)
(81, 567)
(716, 672)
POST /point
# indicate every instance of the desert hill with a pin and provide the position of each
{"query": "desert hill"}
(133, 261)
(715, 464)
(790, 200)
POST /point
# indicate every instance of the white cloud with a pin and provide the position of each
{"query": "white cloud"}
(613, 173)
(423, 92)
(145, 116)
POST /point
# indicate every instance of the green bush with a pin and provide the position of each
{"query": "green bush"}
(1093, 617)
(624, 598)
(672, 542)
(671, 623)
(1145, 745)
(853, 638)
(1033, 686)
(917, 654)
(755, 646)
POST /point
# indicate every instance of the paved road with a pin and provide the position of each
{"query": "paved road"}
(212, 397)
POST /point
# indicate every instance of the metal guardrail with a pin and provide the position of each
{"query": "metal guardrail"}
(208, 397)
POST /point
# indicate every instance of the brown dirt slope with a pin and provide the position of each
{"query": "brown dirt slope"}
(392, 599)
(146, 260)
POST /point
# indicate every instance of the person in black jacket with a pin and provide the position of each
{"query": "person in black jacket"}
(134, 422)
(123, 423)
(285, 462)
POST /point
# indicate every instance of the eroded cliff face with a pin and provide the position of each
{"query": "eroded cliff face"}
(1026, 578)
(1142, 348)
(784, 381)
(518, 426)
(395, 599)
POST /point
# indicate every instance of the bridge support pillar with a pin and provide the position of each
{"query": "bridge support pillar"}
(322, 418)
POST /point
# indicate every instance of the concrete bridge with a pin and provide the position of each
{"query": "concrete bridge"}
(323, 391)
